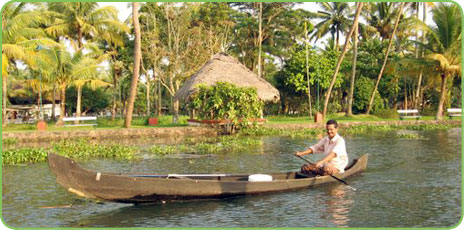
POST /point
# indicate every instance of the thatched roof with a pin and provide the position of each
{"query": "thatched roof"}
(224, 68)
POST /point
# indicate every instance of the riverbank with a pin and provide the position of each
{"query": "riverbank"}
(166, 132)
(120, 133)
(347, 124)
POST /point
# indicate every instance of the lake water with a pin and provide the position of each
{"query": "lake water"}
(408, 183)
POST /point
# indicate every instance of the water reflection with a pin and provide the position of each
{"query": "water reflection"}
(338, 205)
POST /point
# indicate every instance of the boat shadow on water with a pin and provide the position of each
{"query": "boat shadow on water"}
(171, 214)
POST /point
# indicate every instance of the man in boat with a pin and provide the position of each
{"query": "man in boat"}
(334, 149)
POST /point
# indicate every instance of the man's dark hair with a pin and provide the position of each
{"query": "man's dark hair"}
(332, 122)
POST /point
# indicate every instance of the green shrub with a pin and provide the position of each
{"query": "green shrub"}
(226, 101)
(430, 111)
(362, 95)
(334, 107)
(386, 113)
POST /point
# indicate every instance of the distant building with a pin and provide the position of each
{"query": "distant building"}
(47, 110)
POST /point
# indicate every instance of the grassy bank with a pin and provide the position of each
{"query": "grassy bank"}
(352, 130)
(166, 121)
(102, 123)
(340, 117)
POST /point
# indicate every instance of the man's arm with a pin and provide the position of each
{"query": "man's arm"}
(326, 159)
(308, 151)
(318, 147)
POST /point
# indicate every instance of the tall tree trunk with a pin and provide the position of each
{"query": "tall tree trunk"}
(405, 93)
(113, 109)
(53, 102)
(160, 98)
(79, 101)
(260, 38)
(349, 111)
(371, 101)
(4, 101)
(417, 95)
(137, 62)
(115, 91)
(440, 109)
(340, 59)
(175, 107)
(307, 69)
(419, 80)
(62, 105)
(148, 97)
(175, 102)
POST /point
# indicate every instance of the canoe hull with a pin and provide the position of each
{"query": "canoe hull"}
(146, 188)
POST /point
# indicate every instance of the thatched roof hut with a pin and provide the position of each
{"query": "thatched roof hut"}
(224, 68)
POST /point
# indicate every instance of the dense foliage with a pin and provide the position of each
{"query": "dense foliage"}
(226, 101)
(423, 69)
(95, 101)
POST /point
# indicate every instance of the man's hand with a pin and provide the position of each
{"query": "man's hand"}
(319, 164)
(299, 153)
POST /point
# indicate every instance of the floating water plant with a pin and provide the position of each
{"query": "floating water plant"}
(79, 149)
(209, 146)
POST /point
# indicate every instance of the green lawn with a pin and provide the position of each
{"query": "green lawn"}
(337, 116)
(103, 123)
(166, 121)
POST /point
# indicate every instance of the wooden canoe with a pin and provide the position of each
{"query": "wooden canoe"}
(142, 188)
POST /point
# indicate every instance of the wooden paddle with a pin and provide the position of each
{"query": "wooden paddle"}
(336, 178)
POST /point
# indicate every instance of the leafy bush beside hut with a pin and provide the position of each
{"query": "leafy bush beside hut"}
(226, 101)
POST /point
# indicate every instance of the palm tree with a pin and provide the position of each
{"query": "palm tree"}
(371, 101)
(137, 62)
(21, 34)
(444, 47)
(97, 55)
(349, 111)
(340, 59)
(334, 20)
(420, 53)
(380, 18)
(84, 20)
(67, 68)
